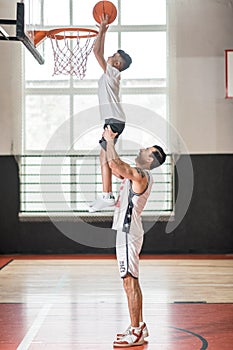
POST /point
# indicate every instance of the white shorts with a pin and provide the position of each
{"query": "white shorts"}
(128, 248)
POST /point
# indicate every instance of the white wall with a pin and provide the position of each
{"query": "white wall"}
(10, 85)
(200, 32)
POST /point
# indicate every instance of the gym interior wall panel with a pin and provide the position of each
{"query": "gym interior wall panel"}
(207, 226)
(11, 84)
(199, 33)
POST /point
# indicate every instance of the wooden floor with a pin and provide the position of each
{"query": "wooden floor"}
(78, 303)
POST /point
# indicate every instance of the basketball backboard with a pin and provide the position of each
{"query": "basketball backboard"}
(24, 28)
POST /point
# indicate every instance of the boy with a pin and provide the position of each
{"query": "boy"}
(110, 108)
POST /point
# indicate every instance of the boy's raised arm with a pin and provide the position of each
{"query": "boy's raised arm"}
(99, 43)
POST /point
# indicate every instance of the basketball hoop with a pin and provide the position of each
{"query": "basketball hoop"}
(70, 49)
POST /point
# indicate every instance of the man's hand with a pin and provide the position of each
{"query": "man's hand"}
(108, 134)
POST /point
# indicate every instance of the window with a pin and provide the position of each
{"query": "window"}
(58, 105)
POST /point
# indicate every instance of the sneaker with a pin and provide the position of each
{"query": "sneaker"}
(132, 338)
(101, 203)
(143, 327)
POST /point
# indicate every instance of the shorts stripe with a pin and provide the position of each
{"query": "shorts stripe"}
(128, 249)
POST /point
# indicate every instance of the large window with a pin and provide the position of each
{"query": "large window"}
(56, 101)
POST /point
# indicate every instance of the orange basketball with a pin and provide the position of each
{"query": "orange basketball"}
(105, 7)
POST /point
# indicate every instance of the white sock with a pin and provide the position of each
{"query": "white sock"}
(107, 195)
(137, 329)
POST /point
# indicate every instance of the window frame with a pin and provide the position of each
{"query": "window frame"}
(76, 88)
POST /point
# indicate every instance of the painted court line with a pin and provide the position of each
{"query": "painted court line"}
(39, 320)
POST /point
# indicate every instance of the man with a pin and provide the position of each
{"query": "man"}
(134, 192)
(110, 108)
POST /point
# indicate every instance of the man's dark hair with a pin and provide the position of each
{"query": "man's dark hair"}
(159, 157)
(126, 58)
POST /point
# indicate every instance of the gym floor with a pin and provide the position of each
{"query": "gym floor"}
(77, 302)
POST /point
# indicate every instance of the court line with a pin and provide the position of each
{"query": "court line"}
(6, 263)
(39, 320)
(203, 340)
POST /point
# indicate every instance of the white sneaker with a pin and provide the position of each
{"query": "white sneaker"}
(101, 203)
(132, 338)
(143, 327)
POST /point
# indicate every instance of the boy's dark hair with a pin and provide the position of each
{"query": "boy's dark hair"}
(126, 58)
(159, 157)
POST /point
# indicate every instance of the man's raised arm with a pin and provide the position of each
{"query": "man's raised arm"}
(118, 166)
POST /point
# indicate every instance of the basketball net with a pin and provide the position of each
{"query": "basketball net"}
(71, 52)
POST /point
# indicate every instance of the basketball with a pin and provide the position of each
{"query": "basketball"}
(105, 7)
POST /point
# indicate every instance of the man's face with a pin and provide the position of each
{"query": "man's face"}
(145, 155)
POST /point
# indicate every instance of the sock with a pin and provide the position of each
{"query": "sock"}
(107, 195)
(136, 329)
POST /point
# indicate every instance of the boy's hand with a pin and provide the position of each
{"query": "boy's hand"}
(103, 27)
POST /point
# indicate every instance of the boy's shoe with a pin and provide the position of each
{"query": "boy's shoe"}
(101, 203)
(143, 327)
(132, 338)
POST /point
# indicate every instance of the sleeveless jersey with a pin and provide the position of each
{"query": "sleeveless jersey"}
(130, 205)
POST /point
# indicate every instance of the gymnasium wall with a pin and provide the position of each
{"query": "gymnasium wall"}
(206, 227)
(10, 86)
(200, 31)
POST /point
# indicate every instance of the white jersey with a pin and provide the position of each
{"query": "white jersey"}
(109, 94)
(130, 205)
